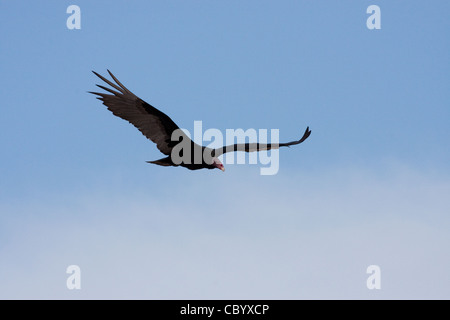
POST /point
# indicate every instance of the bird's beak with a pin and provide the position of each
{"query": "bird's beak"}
(222, 168)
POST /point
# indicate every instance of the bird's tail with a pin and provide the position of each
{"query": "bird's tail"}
(162, 162)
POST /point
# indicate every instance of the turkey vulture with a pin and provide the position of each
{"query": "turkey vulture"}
(160, 129)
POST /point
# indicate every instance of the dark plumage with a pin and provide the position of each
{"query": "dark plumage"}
(159, 128)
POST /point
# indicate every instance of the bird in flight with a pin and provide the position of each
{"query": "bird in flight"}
(160, 129)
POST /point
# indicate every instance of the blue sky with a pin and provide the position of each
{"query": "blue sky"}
(370, 186)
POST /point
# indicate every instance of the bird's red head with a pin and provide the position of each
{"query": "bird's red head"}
(218, 164)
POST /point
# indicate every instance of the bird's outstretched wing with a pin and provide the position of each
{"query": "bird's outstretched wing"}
(250, 147)
(153, 124)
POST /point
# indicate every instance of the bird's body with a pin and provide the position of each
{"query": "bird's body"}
(179, 149)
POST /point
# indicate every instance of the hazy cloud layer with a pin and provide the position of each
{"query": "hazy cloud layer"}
(302, 236)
